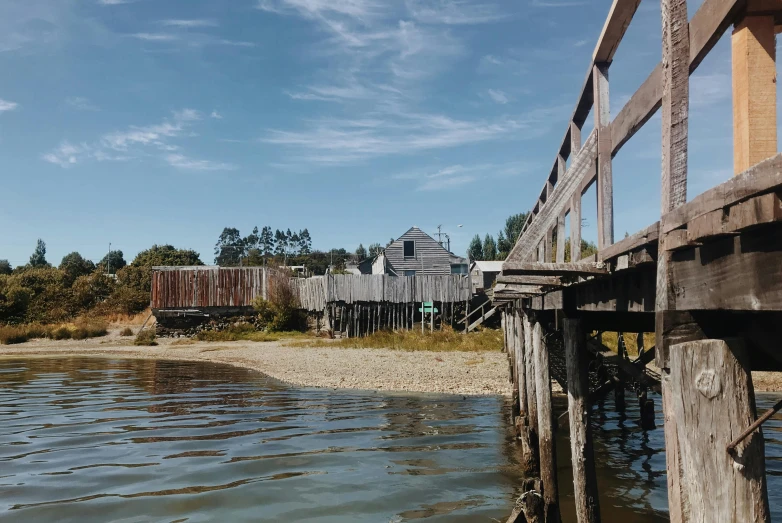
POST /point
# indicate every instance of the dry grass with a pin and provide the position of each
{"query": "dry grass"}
(182, 341)
(611, 340)
(445, 340)
(127, 319)
(79, 330)
(245, 332)
(127, 331)
(145, 338)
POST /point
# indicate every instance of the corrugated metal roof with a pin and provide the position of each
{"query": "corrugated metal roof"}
(487, 266)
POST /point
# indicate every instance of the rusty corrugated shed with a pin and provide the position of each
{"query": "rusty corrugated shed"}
(184, 287)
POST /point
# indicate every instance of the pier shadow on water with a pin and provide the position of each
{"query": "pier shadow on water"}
(87, 440)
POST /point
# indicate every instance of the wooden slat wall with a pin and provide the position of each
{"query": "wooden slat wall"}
(194, 287)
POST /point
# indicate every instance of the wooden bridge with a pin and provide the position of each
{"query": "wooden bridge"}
(706, 278)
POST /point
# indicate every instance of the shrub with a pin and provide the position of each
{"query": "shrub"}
(61, 333)
(11, 335)
(79, 333)
(281, 311)
(127, 331)
(145, 338)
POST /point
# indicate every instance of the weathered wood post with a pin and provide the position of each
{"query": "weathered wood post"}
(582, 453)
(529, 460)
(714, 402)
(619, 390)
(674, 112)
(605, 186)
(532, 402)
(546, 443)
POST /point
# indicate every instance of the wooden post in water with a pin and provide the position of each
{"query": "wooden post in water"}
(711, 393)
(546, 443)
(532, 401)
(581, 450)
(619, 389)
(528, 459)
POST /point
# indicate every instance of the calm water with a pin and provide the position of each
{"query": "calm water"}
(111, 440)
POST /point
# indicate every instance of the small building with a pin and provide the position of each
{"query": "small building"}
(414, 253)
(483, 274)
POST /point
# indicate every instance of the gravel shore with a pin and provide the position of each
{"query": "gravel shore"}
(466, 373)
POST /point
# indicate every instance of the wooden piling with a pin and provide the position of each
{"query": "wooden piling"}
(546, 443)
(582, 452)
(532, 405)
(712, 396)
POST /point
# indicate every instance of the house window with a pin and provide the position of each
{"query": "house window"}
(409, 273)
(409, 248)
(458, 269)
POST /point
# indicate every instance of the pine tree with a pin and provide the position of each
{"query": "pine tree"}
(489, 248)
(229, 248)
(361, 252)
(305, 242)
(38, 258)
(475, 250)
(266, 243)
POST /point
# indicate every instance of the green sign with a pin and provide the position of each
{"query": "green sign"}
(428, 306)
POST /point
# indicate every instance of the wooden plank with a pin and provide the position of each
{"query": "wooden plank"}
(622, 292)
(733, 273)
(754, 91)
(638, 110)
(713, 397)
(560, 198)
(529, 280)
(640, 239)
(560, 257)
(575, 227)
(763, 177)
(546, 443)
(581, 448)
(706, 27)
(605, 186)
(766, 208)
(616, 24)
(675, 240)
(554, 269)
(575, 139)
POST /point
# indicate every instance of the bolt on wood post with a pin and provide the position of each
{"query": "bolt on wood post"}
(713, 397)
(581, 449)
(546, 443)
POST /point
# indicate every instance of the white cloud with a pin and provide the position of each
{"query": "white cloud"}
(454, 12)
(156, 37)
(709, 89)
(555, 3)
(81, 103)
(190, 164)
(491, 59)
(498, 96)
(216, 115)
(189, 23)
(139, 141)
(433, 179)
(114, 2)
(5, 105)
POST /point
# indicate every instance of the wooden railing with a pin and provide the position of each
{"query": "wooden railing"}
(563, 189)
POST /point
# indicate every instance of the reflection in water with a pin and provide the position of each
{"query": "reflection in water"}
(107, 440)
(101, 440)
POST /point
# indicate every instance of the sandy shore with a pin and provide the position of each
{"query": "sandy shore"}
(467, 373)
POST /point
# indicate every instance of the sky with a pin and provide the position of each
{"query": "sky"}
(140, 122)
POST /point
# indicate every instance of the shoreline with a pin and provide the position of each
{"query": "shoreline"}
(386, 370)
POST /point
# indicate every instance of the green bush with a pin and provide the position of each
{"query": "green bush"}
(61, 333)
(146, 338)
(281, 311)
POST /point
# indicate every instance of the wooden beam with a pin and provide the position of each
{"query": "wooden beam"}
(619, 17)
(546, 444)
(637, 111)
(575, 139)
(675, 116)
(580, 167)
(529, 280)
(575, 227)
(605, 186)
(640, 239)
(763, 177)
(554, 269)
(560, 258)
(712, 395)
(581, 449)
(529, 380)
(753, 46)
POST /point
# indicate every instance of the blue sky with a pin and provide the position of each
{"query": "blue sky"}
(162, 121)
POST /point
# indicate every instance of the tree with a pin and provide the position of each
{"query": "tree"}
(252, 241)
(280, 243)
(5, 267)
(507, 237)
(74, 265)
(266, 244)
(38, 258)
(475, 250)
(375, 249)
(390, 242)
(112, 262)
(229, 248)
(166, 255)
(305, 242)
(294, 244)
(361, 252)
(489, 248)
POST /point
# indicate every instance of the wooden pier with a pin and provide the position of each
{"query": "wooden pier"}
(706, 278)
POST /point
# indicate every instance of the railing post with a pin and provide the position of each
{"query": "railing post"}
(605, 185)
(575, 227)
(754, 89)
